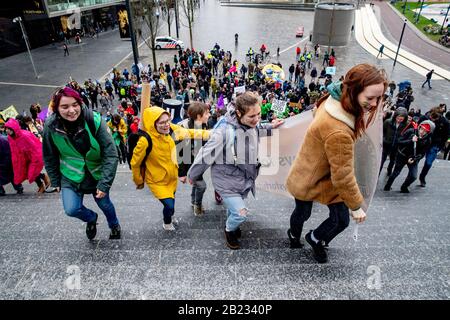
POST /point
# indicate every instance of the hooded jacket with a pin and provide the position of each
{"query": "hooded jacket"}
(52, 156)
(26, 153)
(391, 131)
(406, 145)
(232, 153)
(161, 165)
(323, 169)
(440, 133)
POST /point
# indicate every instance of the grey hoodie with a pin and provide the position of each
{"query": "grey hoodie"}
(232, 153)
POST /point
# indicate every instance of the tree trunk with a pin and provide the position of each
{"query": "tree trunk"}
(191, 7)
(154, 57)
(152, 38)
(190, 34)
(168, 20)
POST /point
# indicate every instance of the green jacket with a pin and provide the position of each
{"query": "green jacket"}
(92, 178)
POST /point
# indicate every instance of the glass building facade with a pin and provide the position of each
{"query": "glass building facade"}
(46, 21)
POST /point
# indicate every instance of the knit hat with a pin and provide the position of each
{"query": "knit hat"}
(427, 125)
(335, 91)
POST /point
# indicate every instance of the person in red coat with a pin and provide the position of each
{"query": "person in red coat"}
(332, 61)
(26, 155)
(134, 127)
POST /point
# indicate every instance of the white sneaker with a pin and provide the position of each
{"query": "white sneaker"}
(169, 227)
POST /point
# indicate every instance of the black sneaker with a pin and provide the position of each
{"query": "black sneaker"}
(20, 191)
(404, 189)
(91, 228)
(387, 188)
(295, 242)
(320, 253)
(422, 182)
(232, 241)
(115, 233)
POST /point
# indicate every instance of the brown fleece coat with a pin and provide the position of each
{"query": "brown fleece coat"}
(323, 169)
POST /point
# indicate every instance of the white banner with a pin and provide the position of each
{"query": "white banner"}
(240, 89)
(287, 141)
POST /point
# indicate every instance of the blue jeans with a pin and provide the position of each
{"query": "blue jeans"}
(429, 83)
(430, 156)
(236, 212)
(169, 209)
(73, 207)
(198, 189)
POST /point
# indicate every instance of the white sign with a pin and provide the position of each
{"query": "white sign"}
(279, 106)
(240, 89)
(331, 70)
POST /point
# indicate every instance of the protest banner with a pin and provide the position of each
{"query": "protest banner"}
(9, 112)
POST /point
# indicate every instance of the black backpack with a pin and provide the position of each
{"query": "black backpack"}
(132, 142)
(89, 118)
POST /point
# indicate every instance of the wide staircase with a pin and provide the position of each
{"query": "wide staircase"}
(401, 252)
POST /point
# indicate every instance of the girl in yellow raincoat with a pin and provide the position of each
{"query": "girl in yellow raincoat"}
(161, 165)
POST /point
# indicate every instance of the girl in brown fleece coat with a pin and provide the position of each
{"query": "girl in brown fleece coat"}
(323, 169)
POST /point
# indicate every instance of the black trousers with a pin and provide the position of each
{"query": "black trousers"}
(337, 221)
(392, 153)
(400, 162)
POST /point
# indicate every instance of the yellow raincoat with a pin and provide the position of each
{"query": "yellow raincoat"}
(121, 128)
(161, 166)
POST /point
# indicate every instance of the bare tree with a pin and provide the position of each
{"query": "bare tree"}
(187, 7)
(166, 6)
(147, 13)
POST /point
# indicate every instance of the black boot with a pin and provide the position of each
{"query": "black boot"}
(404, 189)
(294, 242)
(388, 185)
(422, 181)
(423, 174)
(115, 232)
(232, 240)
(320, 254)
(238, 232)
(91, 228)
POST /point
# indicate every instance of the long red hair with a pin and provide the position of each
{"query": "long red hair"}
(356, 80)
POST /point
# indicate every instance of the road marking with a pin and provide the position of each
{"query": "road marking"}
(102, 78)
(375, 37)
(288, 48)
(29, 84)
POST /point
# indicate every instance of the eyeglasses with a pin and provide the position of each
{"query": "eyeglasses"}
(164, 123)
